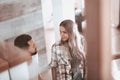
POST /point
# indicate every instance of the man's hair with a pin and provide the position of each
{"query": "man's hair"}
(22, 41)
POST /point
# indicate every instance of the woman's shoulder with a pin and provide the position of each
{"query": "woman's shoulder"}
(56, 44)
(55, 47)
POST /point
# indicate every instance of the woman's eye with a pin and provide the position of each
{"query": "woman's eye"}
(65, 32)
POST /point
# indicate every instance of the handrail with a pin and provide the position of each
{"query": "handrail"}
(13, 55)
(3, 65)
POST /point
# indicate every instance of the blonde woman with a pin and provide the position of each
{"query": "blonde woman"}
(68, 60)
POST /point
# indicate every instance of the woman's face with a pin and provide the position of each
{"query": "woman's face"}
(64, 34)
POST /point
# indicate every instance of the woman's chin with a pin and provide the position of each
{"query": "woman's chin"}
(64, 41)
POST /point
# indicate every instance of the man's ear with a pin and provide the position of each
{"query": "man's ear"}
(29, 42)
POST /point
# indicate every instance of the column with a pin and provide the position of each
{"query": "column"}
(98, 39)
(62, 9)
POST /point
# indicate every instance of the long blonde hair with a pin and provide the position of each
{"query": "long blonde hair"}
(73, 44)
(72, 32)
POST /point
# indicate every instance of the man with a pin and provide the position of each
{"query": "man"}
(25, 42)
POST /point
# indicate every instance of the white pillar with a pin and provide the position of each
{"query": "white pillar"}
(62, 9)
(115, 37)
(114, 12)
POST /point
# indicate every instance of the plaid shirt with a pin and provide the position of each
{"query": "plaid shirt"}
(61, 61)
(61, 57)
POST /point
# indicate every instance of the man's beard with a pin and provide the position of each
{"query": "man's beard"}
(34, 53)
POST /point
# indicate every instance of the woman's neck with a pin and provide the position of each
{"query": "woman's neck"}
(65, 43)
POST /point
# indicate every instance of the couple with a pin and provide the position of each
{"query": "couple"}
(68, 55)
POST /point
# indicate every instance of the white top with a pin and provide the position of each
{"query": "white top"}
(34, 67)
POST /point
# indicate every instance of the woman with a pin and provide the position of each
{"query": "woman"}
(67, 61)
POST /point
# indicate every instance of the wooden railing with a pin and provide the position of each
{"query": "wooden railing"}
(3, 65)
(12, 54)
